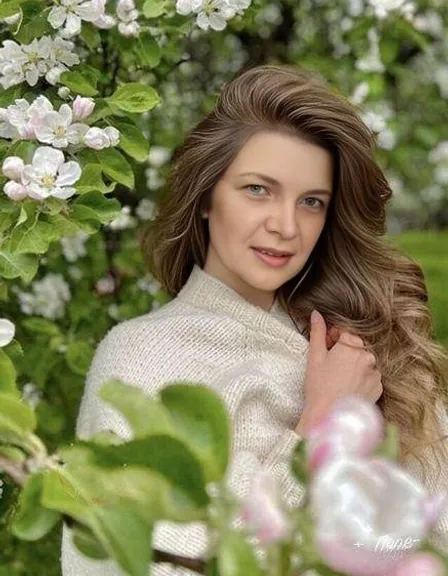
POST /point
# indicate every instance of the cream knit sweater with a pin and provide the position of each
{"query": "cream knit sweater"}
(253, 358)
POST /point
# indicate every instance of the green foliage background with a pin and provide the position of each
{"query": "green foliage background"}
(188, 69)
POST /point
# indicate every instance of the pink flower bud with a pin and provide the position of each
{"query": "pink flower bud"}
(262, 510)
(82, 107)
(15, 191)
(12, 167)
(421, 564)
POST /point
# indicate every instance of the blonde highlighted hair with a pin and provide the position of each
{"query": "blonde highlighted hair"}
(356, 279)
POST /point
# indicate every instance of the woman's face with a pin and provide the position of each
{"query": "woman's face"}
(275, 194)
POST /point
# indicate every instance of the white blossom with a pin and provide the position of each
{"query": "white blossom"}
(49, 175)
(113, 134)
(31, 394)
(439, 157)
(105, 285)
(158, 156)
(72, 12)
(64, 92)
(28, 62)
(149, 284)
(47, 298)
(129, 29)
(360, 93)
(73, 247)
(382, 8)
(24, 116)
(56, 128)
(99, 138)
(153, 178)
(7, 332)
(372, 60)
(105, 22)
(1, 488)
(212, 13)
(123, 220)
(74, 272)
(146, 210)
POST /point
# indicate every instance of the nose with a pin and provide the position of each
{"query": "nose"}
(283, 219)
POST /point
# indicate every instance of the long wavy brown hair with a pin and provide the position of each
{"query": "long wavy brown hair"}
(356, 279)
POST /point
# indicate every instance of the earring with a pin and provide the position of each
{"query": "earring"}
(204, 215)
(300, 281)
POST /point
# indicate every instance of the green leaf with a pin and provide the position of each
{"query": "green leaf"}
(201, 419)
(11, 94)
(165, 455)
(32, 521)
(60, 493)
(16, 416)
(32, 239)
(236, 557)
(132, 140)
(126, 537)
(135, 97)
(154, 8)
(86, 541)
(95, 206)
(299, 463)
(41, 326)
(50, 417)
(79, 356)
(390, 446)
(24, 149)
(10, 8)
(8, 374)
(92, 180)
(13, 454)
(90, 34)
(18, 265)
(37, 27)
(145, 415)
(147, 50)
(78, 83)
(115, 165)
(101, 110)
(28, 211)
(62, 225)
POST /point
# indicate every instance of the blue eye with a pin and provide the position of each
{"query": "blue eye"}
(255, 186)
(320, 202)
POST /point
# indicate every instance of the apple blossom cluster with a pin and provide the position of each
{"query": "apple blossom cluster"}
(67, 16)
(127, 16)
(47, 298)
(212, 13)
(24, 121)
(28, 62)
(361, 534)
(73, 247)
(48, 175)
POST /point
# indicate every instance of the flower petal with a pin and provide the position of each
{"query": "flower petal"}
(68, 173)
(7, 331)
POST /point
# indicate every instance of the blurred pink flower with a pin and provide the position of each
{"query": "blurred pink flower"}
(263, 511)
(420, 564)
(354, 426)
(368, 513)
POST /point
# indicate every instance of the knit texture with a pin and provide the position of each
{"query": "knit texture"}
(253, 358)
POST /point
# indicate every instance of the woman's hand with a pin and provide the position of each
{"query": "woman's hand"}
(338, 365)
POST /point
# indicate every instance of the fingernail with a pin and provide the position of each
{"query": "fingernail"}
(314, 316)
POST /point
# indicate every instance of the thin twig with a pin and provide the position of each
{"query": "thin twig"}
(16, 472)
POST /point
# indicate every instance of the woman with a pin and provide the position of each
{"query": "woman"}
(276, 208)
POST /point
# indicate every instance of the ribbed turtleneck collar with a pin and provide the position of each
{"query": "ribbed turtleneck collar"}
(209, 293)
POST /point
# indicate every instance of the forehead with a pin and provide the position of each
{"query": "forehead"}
(283, 156)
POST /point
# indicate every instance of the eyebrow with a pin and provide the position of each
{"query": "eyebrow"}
(275, 182)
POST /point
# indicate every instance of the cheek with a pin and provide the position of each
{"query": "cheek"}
(311, 229)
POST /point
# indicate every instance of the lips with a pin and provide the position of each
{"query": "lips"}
(272, 251)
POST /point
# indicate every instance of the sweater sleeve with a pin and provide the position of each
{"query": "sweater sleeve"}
(184, 539)
(436, 482)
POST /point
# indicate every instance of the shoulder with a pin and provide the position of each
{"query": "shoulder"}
(174, 326)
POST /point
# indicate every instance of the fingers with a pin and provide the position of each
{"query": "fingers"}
(351, 340)
(318, 337)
